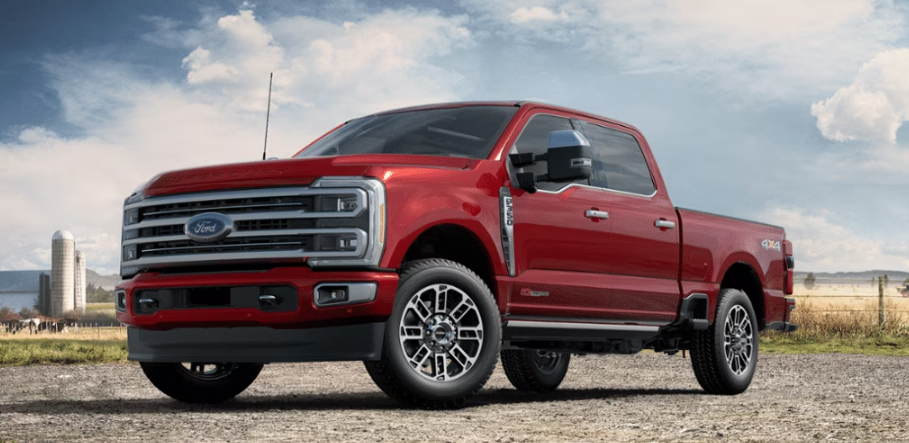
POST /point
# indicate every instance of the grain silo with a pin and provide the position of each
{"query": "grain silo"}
(63, 274)
(79, 302)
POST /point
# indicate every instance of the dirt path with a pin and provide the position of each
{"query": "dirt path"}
(638, 398)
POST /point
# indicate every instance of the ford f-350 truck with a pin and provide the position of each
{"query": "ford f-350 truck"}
(427, 242)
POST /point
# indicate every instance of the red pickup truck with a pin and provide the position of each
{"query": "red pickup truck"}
(427, 242)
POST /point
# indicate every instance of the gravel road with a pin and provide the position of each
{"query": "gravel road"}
(645, 397)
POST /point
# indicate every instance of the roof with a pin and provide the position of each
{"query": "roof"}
(20, 281)
(63, 235)
(517, 103)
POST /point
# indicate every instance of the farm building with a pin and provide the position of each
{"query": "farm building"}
(54, 292)
(24, 289)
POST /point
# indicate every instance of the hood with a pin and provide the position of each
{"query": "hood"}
(287, 172)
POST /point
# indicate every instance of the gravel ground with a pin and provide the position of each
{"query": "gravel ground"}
(645, 397)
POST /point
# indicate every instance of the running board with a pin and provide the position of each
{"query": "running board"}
(517, 330)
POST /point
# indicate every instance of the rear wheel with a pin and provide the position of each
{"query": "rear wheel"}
(724, 356)
(535, 371)
(201, 382)
(442, 339)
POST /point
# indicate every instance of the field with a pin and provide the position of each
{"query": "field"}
(645, 397)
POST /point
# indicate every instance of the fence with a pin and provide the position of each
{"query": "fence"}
(858, 309)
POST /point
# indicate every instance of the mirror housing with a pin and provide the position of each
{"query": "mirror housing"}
(568, 158)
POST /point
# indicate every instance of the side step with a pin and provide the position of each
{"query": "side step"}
(552, 329)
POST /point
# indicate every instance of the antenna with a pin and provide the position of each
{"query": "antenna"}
(267, 115)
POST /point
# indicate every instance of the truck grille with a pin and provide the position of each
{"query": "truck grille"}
(336, 221)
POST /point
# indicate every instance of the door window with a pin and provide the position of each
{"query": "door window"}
(618, 162)
(535, 138)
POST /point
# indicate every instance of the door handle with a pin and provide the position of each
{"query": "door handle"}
(593, 213)
(664, 224)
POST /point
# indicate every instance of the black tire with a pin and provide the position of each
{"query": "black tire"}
(528, 372)
(395, 375)
(715, 373)
(186, 385)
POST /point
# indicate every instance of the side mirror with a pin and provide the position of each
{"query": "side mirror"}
(568, 158)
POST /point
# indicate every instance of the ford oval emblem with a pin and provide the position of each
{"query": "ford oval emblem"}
(208, 227)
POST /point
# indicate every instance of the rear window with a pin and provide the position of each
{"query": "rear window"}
(469, 131)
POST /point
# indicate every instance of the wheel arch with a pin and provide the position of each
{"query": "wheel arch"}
(457, 243)
(743, 276)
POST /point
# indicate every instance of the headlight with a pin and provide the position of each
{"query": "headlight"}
(131, 217)
(338, 203)
(341, 242)
(130, 252)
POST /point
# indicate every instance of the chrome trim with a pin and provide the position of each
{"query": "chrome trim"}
(224, 207)
(664, 224)
(254, 255)
(241, 193)
(370, 194)
(263, 233)
(357, 292)
(284, 215)
(593, 213)
(507, 223)
(511, 172)
(584, 326)
(375, 191)
(270, 299)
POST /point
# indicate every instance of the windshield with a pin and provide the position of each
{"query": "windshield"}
(453, 132)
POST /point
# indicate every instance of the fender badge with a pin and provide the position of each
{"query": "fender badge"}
(528, 293)
(770, 244)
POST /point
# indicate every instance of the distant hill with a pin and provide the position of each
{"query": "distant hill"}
(104, 281)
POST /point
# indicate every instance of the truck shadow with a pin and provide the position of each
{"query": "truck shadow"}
(295, 402)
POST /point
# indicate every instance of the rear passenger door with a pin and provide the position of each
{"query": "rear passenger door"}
(642, 257)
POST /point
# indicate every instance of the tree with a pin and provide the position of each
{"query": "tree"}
(906, 282)
(7, 314)
(96, 294)
(809, 280)
(28, 312)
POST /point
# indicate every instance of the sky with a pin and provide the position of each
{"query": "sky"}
(790, 113)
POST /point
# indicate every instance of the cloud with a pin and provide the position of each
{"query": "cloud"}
(760, 49)
(135, 127)
(523, 15)
(874, 106)
(821, 245)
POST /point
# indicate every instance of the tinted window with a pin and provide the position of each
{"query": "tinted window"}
(535, 138)
(453, 132)
(618, 162)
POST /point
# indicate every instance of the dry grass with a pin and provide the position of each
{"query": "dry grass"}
(99, 307)
(104, 333)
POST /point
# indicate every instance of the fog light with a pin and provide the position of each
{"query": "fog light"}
(328, 295)
(121, 301)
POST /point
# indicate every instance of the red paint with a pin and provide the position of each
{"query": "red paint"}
(622, 267)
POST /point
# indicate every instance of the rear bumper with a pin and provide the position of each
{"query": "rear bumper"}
(257, 344)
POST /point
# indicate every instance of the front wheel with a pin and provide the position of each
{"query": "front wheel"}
(201, 382)
(724, 356)
(442, 339)
(531, 370)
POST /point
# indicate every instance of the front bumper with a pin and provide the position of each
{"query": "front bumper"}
(305, 314)
(257, 344)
